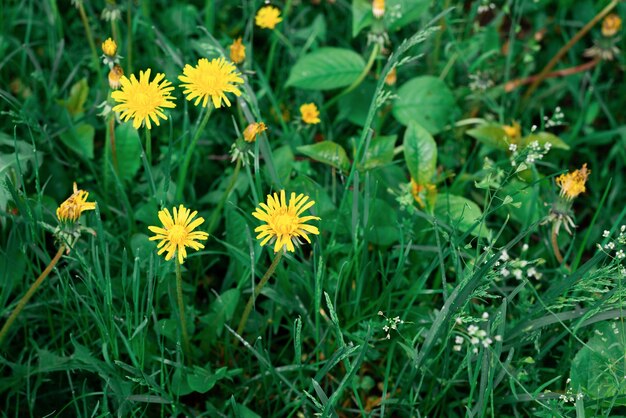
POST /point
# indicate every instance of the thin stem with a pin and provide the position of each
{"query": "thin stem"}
(181, 311)
(92, 44)
(31, 291)
(546, 70)
(209, 15)
(148, 146)
(270, 59)
(112, 139)
(129, 37)
(182, 171)
(359, 80)
(257, 290)
(513, 84)
(218, 210)
(555, 244)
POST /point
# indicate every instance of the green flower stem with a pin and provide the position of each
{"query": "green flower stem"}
(112, 139)
(270, 58)
(148, 146)
(92, 44)
(30, 293)
(181, 311)
(359, 80)
(218, 210)
(184, 167)
(129, 37)
(257, 290)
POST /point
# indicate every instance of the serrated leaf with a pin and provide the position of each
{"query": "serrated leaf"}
(598, 369)
(80, 139)
(420, 153)
(326, 69)
(380, 152)
(461, 214)
(426, 100)
(327, 152)
(544, 138)
(490, 134)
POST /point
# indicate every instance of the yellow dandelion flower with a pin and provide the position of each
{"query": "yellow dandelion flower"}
(284, 225)
(115, 75)
(611, 25)
(71, 209)
(378, 8)
(143, 100)
(268, 17)
(573, 184)
(309, 113)
(109, 47)
(237, 51)
(210, 79)
(513, 131)
(252, 130)
(178, 233)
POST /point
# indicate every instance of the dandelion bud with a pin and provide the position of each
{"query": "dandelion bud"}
(252, 130)
(237, 51)
(109, 47)
(378, 8)
(611, 25)
(115, 75)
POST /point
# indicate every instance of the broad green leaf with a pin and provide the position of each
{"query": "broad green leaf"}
(362, 15)
(75, 103)
(382, 225)
(326, 69)
(355, 105)
(128, 150)
(420, 153)
(380, 152)
(598, 369)
(461, 213)
(426, 100)
(80, 139)
(327, 152)
(491, 134)
(202, 380)
(399, 13)
(544, 138)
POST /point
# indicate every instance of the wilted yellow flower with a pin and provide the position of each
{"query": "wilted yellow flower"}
(211, 79)
(71, 209)
(611, 25)
(268, 17)
(284, 225)
(392, 77)
(143, 100)
(252, 130)
(513, 131)
(237, 51)
(109, 47)
(378, 8)
(115, 75)
(309, 113)
(178, 233)
(423, 193)
(573, 184)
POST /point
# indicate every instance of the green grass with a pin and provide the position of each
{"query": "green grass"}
(376, 316)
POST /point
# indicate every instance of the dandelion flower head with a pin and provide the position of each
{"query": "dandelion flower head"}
(71, 209)
(573, 184)
(309, 113)
(513, 131)
(268, 17)
(237, 51)
(178, 233)
(210, 79)
(252, 130)
(284, 225)
(143, 100)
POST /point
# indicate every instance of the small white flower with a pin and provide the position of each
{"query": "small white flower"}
(620, 254)
(458, 339)
(457, 348)
(504, 272)
(622, 228)
(475, 350)
(381, 313)
(513, 147)
(471, 330)
(485, 315)
(487, 342)
(609, 246)
(517, 273)
(606, 233)
(458, 320)
(504, 256)
(482, 333)
(524, 247)
(498, 338)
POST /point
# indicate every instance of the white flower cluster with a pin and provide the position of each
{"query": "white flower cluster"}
(610, 247)
(475, 335)
(555, 120)
(480, 81)
(569, 396)
(390, 324)
(485, 7)
(526, 156)
(517, 267)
